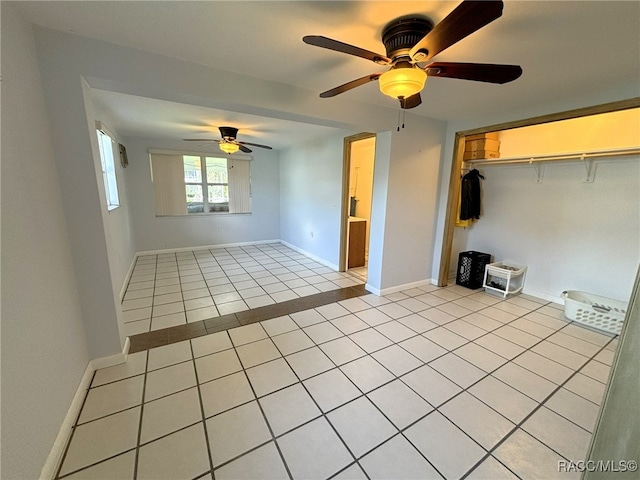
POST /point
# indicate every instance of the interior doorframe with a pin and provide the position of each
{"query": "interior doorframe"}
(344, 208)
(458, 152)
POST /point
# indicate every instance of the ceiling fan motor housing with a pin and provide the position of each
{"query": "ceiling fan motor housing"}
(402, 34)
(228, 133)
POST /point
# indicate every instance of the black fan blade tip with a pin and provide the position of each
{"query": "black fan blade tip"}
(465, 19)
(256, 145)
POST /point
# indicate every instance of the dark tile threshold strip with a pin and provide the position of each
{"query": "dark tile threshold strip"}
(166, 336)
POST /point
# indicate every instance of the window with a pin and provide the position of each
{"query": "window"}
(210, 175)
(105, 143)
(195, 184)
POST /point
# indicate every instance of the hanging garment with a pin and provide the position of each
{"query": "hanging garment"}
(470, 195)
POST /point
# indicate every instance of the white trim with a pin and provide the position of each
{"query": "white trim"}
(57, 451)
(398, 288)
(372, 289)
(127, 278)
(111, 360)
(311, 256)
(54, 459)
(543, 296)
(106, 130)
(206, 247)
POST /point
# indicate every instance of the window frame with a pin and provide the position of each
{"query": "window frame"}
(239, 188)
(204, 184)
(106, 141)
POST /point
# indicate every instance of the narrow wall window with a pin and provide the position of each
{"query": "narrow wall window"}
(190, 184)
(105, 142)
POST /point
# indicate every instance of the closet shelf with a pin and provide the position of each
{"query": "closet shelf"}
(538, 161)
(588, 155)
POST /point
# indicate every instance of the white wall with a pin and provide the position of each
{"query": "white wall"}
(156, 233)
(411, 201)
(44, 350)
(403, 205)
(572, 235)
(66, 59)
(118, 224)
(311, 196)
(73, 138)
(378, 210)
(594, 132)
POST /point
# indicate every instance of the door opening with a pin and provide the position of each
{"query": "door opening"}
(444, 273)
(359, 156)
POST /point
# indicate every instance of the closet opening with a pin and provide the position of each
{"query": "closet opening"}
(543, 151)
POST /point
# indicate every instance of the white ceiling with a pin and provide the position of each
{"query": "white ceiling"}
(565, 49)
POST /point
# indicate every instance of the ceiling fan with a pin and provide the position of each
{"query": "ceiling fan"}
(413, 40)
(228, 143)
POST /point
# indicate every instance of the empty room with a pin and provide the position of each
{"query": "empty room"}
(320, 240)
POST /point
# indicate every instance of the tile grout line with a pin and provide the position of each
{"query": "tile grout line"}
(323, 414)
(202, 414)
(318, 345)
(264, 417)
(518, 426)
(139, 433)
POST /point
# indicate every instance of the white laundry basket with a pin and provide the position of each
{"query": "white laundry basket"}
(597, 312)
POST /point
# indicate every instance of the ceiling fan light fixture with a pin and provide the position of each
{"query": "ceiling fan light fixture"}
(402, 82)
(229, 147)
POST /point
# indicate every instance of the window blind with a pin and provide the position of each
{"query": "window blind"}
(167, 175)
(239, 186)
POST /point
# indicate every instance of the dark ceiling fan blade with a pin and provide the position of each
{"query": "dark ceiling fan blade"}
(324, 42)
(243, 148)
(349, 85)
(479, 72)
(200, 140)
(465, 19)
(255, 145)
(411, 102)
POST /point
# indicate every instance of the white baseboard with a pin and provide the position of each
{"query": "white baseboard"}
(54, 459)
(372, 289)
(543, 296)
(206, 247)
(311, 255)
(111, 360)
(127, 278)
(398, 288)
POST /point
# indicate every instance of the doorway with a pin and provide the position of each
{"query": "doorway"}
(357, 194)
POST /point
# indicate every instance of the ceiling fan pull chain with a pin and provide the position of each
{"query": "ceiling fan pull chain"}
(399, 110)
(404, 112)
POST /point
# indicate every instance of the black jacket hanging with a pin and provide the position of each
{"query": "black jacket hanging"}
(470, 195)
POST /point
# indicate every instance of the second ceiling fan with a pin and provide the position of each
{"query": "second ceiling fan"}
(228, 142)
(412, 40)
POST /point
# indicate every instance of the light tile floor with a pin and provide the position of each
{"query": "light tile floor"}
(172, 289)
(426, 383)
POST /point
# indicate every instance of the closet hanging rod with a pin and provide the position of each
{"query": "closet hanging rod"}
(618, 152)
